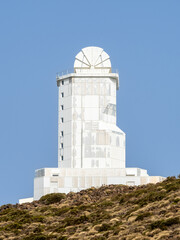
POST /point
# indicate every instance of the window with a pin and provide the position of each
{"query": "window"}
(62, 145)
(62, 94)
(62, 107)
(55, 175)
(62, 133)
(62, 82)
(62, 120)
(110, 109)
(62, 158)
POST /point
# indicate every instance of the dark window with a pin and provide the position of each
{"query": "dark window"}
(62, 94)
(55, 175)
(62, 82)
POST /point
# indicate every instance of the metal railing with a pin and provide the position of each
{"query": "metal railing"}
(71, 70)
(65, 72)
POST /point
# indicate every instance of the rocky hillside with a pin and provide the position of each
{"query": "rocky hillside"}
(111, 212)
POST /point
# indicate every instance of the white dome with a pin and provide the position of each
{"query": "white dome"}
(92, 59)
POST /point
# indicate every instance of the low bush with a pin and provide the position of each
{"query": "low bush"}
(69, 221)
(104, 227)
(172, 186)
(146, 197)
(105, 204)
(141, 216)
(164, 223)
(12, 226)
(58, 229)
(13, 214)
(37, 237)
(74, 211)
(44, 209)
(84, 207)
(98, 216)
(20, 216)
(131, 210)
(39, 229)
(176, 200)
(62, 238)
(52, 198)
(60, 211)
(150, 197)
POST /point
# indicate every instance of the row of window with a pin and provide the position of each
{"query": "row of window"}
(62, 145)
(62, 120)
(62, 108)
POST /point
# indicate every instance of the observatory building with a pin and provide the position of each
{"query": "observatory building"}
(91, 147)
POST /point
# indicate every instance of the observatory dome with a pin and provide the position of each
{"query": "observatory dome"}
(92, 59)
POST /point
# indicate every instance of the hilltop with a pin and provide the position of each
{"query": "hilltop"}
(150, 211)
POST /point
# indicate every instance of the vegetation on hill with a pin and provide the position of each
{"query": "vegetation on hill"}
(110, 212)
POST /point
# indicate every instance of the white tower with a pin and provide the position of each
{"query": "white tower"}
(87, 133)
(91, 148)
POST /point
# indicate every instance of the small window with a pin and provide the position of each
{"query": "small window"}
(62, 107)
(55, 175)
(62, 145)
(62, 133)
(62, 82)
(62, 94)
(62, 120)
(62, 158)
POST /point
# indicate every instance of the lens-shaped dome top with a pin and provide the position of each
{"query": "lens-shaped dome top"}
(92, 59)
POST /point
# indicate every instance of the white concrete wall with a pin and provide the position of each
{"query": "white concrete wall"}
(26, 200)
(65, 127)
(76, 179)
(90, 138)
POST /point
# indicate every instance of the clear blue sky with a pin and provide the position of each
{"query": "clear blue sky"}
(40, 38)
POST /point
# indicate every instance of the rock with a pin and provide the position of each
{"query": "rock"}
(163, 235)
(132, 218)
(114, 220)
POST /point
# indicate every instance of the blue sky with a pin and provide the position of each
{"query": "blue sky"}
(40, 38)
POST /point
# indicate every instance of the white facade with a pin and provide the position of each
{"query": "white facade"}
(65, 180)
(25, 200)
(87, 133)
(91, 148)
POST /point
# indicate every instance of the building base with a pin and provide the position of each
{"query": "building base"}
(65, 180)
(26, 200)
